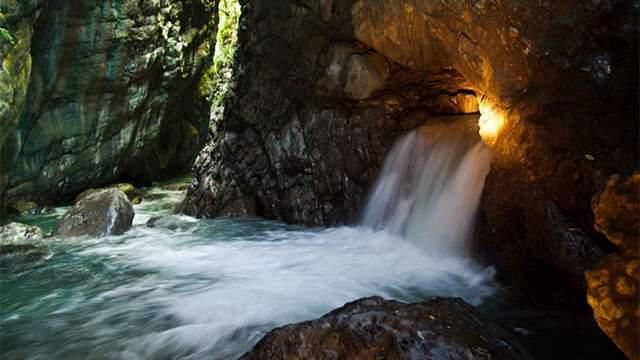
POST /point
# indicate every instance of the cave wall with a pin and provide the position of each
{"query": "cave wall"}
(322, 88)
(99, 91)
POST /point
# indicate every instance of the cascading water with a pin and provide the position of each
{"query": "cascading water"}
(210, 289)
(429, 188)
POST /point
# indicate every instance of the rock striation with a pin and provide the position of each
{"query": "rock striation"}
(111, 89)
(374, 328)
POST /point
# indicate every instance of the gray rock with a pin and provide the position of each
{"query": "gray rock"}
(20, 244)
(99, 213)
(170, 222)
(20, 234)
(373, 328)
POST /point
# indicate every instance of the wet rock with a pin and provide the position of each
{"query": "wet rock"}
(98, 213)
(20, 244)
(374, 328)
(614, 284)
(20, 234)
(170, 222)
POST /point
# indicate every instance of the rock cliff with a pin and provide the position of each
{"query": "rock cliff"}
(95, 91)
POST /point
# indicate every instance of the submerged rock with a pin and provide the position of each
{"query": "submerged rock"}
(171, 222)
(374, 328)
(12, 256)
(97, 213)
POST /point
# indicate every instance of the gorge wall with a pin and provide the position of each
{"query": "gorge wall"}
(92, 92)
(322, 88)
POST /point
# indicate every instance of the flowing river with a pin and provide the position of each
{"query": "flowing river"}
(210, 289)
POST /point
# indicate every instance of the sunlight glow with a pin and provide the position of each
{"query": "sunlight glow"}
(491, 122)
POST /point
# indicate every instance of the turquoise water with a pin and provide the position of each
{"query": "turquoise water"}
(196, 289)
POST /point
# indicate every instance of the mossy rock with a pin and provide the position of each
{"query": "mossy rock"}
(134, 195)
(23, 207)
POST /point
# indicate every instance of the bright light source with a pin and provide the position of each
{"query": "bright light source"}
(491, 122)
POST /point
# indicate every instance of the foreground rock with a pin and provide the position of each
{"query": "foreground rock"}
(614, 284)
(374, 328)
(98, 213)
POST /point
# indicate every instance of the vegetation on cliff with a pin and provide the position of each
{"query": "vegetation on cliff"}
(215, 82)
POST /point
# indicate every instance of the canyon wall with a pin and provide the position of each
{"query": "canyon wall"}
(322, 88)
(97, 91)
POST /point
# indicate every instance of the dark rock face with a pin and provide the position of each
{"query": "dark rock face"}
(576, 125)
(322, 89)
(313, 114)
(614, 284)
(373, 328)
(98, 213)
(111, 92)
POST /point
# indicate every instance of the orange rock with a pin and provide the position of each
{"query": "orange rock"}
(613, 284)
(617, 211)
(615, 302)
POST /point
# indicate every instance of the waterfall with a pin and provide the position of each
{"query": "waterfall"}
(430, 186)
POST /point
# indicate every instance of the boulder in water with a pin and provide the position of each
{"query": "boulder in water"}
(171, 222)
(374, 328)
(20, 243)
(20, 234)
(97, 213)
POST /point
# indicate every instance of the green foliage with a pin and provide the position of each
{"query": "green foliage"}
(216, 80)
(6, 36)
